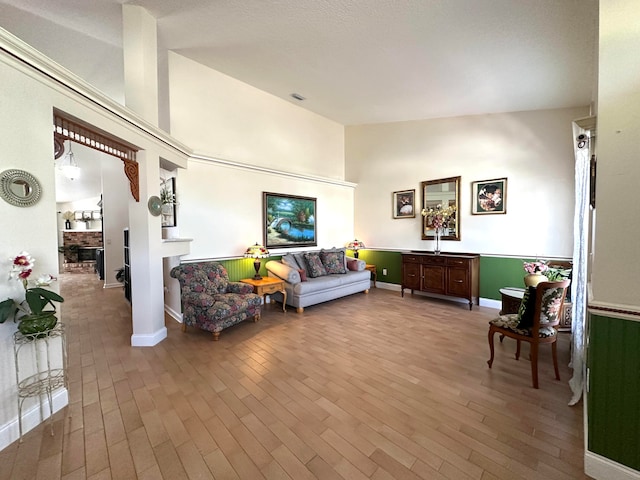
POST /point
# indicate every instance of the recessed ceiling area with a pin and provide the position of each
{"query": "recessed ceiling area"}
(354, 61)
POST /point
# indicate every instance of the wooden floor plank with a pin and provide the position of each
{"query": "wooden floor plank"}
(368, 387)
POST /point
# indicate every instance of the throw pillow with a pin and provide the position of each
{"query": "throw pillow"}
(527, 308)
(352, 265)
(290, 261)
(303, 275)
(314, 265)
(302, 263)
(333, 261)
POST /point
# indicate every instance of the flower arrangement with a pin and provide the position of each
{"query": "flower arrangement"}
(538, 266)
(166, 197)
(31, 313)
(439, 217)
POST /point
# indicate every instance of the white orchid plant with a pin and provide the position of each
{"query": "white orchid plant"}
(37, 298)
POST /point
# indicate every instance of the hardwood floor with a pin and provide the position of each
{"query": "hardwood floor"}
(367, 387)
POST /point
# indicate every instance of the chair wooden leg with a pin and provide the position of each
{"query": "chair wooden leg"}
(216, 336)
(256, 318)
(534, 364)
(554, 354)
(518, 350)
(184, 327)
(491, 332)
(501, 337)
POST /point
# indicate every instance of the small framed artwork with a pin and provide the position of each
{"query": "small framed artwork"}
(289, 221)
(168, 199)
(489, 197)
(404, 205)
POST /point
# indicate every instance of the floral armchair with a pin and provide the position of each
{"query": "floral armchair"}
(210, 301)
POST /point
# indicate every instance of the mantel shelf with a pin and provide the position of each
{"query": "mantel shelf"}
(174, 247)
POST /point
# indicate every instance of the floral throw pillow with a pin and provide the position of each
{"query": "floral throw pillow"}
(315, 268)
(527, 308)
(333, 261)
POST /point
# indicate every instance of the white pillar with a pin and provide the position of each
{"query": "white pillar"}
(140, 45)
(145, 243)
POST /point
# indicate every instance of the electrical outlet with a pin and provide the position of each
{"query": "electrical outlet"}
(384, 271)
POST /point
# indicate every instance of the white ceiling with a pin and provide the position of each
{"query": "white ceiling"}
(356, 62)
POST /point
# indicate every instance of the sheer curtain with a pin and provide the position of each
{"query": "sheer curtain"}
(580, 262)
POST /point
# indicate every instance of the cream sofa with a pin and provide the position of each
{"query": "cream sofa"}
(337, 282)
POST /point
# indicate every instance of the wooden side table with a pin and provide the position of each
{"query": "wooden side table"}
(372, 269)
(266, 286)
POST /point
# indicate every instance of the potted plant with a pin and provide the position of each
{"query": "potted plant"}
(36, 314)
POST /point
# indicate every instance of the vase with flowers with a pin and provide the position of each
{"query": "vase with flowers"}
(437, 219)
(36, 314)
(535, 272)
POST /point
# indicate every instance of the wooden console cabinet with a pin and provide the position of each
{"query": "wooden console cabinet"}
(450, 274)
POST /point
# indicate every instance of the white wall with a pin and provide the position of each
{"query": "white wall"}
(616, 251)
(534, 150)
(221, 117)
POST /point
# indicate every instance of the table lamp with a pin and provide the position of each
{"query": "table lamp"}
(256, 251)
(355, 245)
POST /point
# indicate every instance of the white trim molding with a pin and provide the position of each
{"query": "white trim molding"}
(601, 468)
(34, 416)
(148, 340)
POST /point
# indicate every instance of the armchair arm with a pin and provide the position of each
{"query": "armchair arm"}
(239, 287)
(283, 272)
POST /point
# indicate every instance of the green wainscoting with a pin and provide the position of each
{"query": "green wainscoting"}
(392, 261)
(495, 272)
(243, 267)
(614, 391)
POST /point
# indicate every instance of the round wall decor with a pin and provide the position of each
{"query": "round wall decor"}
(154, 205)
(19, 188)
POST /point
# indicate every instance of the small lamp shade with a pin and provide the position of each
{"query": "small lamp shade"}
(355, 245)
(256, 251)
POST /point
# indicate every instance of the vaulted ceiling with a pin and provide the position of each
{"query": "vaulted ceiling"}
(355, 62)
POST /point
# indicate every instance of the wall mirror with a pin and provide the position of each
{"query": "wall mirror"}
(442, 194)
(19, 188)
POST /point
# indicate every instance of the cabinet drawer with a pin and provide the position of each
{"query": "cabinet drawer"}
(458, 282)
(434, 260)
(410, 259)
(457, 262)
(268, 289)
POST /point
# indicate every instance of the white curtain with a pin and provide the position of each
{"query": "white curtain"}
(580, 262)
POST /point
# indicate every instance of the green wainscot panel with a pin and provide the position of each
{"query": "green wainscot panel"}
(499, 272)
(392, 261)
(614, 391)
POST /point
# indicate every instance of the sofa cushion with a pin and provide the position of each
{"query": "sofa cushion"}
(352, 265)
(290, 261)
(303, 275)
(302, 263)
(315, 268)
(333, 261)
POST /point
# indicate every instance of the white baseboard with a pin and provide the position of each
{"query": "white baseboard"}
(113, 285)
(34, 416)
(172, 313)
(602, 468)
(484, 302)
(150, 339)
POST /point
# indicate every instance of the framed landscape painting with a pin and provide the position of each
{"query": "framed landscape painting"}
(489, 197)
(289, 221)
(404, 205)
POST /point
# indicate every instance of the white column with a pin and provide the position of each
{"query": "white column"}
(145, 242)
(140, 45)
